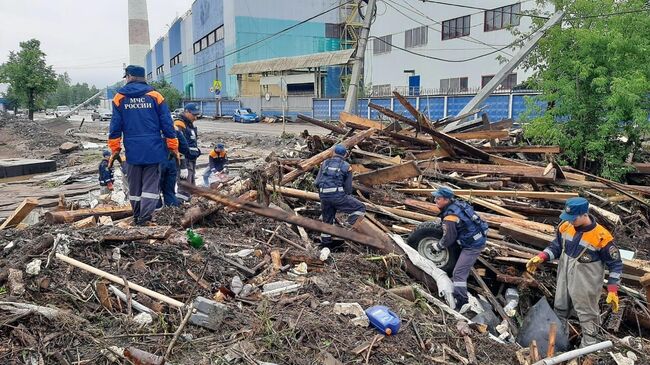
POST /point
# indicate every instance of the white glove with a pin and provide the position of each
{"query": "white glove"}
(184, 174)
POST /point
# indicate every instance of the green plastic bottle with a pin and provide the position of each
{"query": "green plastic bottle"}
(194, 239)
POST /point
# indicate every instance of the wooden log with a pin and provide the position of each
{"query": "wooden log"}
(497, 193)
(481, 135)
(379, 158)
(322, 124)
(140, 233)
(517, 280)
(486, 126)
(118, 280)
(431, 154)
(391, 114)
(522, 149)
(521, 171)
(20, 213)
(69, 216)
(388, 174)
(533, 238)
(355, 120)
(309, 163)
(552, 331)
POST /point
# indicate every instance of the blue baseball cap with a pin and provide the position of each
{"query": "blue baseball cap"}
(106, 153)
(192, 108)
(340, 150)
(444, 192)
(220, 146)
(573, 208)
(134, 70)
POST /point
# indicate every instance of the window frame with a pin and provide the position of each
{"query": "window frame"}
(502, 17)
(382, 44)
(458, 31)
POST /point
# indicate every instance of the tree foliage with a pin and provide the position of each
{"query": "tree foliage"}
(28, 75)
(172, 96)
(594, 72)
(67, 94)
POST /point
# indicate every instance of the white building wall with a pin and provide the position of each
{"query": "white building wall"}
(388, 68)
(166, 58)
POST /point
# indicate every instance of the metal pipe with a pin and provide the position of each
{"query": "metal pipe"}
(575, 353)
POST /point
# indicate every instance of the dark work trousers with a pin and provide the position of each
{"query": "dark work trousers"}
(339, 202)
(463, 267)
(168, 174)
(144, 191)
(183, 194)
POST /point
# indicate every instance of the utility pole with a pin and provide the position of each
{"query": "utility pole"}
(357, 66)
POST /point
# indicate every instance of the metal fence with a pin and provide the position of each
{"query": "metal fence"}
(216, 108)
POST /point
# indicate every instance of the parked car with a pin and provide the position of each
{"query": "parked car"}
(62, 110)
(245, 116)
(102, 115)
(49, 111)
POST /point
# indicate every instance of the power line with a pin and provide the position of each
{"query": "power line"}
(482, 9)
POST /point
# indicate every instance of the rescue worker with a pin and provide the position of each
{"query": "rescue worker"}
(462, 226)
(334, 183)
(169, 172)
(140, 116)
(217, 162)
(185, 125)
(584, 249)
(105, 174)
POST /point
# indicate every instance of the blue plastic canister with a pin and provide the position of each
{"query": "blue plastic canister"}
(383, 319)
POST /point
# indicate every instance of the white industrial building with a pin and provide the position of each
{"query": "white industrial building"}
(445, 32)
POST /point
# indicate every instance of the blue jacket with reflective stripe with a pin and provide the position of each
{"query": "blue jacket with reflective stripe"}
(335, 173)
(105, 174)
(140, 116)
(470, 228)
(191, 134)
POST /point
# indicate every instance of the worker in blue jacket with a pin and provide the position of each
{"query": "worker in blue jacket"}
(105, 174)
(185, 125)
(462, 226)
(334, 183)
(169, 172)
(584, 249)
(217, 161)
(142, 121)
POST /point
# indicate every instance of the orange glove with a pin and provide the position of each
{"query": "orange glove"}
(532, 264)
(612, 297)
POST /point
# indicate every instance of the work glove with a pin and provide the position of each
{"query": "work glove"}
(612, 297)
(114, 157)
(533, 264)
(184, 173)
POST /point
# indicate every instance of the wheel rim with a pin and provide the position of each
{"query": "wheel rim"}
(425, 248)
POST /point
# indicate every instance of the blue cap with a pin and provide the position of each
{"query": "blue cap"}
(444, 192)
(106, 153)
(192, 108)
(220, 146)
(134, 70)
(340, 150)
(573, 208)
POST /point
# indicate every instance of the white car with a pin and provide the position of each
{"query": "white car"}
(62, 110)
(102, 115)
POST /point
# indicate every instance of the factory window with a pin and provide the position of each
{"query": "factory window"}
(508, 84)
(208, 40)
(332, 30)
(197, 47)
(454, 84)
(416, 37)
(159, 70)
(382, 44)
(220, 33)
(456, 28)
(212, 38)
(204, 43)
(501, 18)
(149, 76)
(381, 90)
(175, 60)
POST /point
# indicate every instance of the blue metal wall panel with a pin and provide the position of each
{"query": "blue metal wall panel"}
(207, 15)
(148, 67)
(228, 106)
(321, 109)
(175, 38)
(432, 106)
(160, 57)
(333, 82)
(497, 107)
(399, 108)
(456, 103)
(177, 77)
(337, 107)
(519, 106)
(362, 107)
(385, 102)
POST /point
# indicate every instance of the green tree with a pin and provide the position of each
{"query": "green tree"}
(172, 96)
(13, 100)
(27, 73)
(594, 73)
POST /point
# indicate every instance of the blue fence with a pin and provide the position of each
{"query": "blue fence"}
(214, 108)
(497, 106)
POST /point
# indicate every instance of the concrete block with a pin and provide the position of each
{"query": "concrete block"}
(11, 167)
(209, 314)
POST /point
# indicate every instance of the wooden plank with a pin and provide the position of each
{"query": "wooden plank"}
(359, 121)
(322, 124)
(481, 135)
(497, 193)
(69, 216)
(533, 172)
(388, 174)
(395, 160)
(522, 149)
(431, 154)
(533, 238)
(641, 168)
(20, 213)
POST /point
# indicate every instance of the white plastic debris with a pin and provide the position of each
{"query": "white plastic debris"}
(34, 267)
(61, 242)
(355, 310)
(324, 254)
(512, 300)
(143, 319)
(300, 269)
(242, 253)
(9, 246)
(110, 355)
(118, 197)
(236, 285)
(116, 254)
(279, 287)
(246, 290)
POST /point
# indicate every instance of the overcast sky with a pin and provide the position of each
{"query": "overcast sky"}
(88, 39)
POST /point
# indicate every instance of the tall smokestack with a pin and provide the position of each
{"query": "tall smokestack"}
(138, 31)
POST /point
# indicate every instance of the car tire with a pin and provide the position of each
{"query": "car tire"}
(424, 236)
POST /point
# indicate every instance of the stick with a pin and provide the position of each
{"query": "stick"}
(118, 280)
(552, 330)
(190, 309)
(471, 353)
(455, 354)
(137, 305)
(374, 339)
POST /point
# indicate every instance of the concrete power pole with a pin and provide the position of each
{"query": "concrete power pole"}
(138, 32)
(357, 66)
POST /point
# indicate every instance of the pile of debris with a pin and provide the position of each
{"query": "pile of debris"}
(223, 282)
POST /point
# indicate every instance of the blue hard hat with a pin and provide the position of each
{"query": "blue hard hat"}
(573, 208)
(106, 153)
(340, 150)
(192, 108)
(220, 146)
(444, 192)
(134, 70)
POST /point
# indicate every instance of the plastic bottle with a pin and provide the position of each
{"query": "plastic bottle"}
(383, 319)
(140, 357)
(194, 239)
(512, 300)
